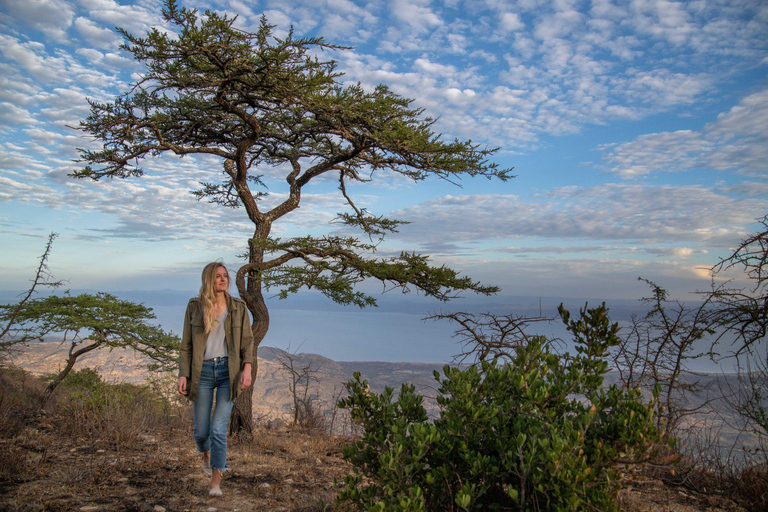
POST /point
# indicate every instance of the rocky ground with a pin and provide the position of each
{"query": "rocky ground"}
(115, 448)
(276, 471)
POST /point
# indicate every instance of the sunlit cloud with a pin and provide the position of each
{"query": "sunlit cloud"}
(737, 141)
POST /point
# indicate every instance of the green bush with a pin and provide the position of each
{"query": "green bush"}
(535, 432)
(86, 378)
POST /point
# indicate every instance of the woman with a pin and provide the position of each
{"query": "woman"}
(215, 359)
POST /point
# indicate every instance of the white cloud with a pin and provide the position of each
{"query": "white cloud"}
(97, 36)
(135, 18)
(663, 88)
(665, 151)
(432, 68)
(737, 140)
(511, 22)
(15, 188)
(635, 214)
(27, 56)
(683, 251)
(749, 189)
(457, 96)
(749, 117)
(558, 25)
(52, 17)
(663, 19)
(14, 116)
(416, 13)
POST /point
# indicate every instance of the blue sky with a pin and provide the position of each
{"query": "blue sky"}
(638, 131)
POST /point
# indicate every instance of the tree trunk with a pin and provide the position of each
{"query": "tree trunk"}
(241, 419)
(63, 373)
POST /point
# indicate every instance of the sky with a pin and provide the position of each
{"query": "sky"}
(638, 131)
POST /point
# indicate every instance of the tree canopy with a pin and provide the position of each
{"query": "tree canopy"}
(91, 321)
(268, 104)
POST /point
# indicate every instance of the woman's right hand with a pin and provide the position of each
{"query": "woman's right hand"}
(183, 385)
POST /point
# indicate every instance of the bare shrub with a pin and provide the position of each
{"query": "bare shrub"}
(19, 399)
(308, 410)
(752, 487)
(119, 414)
(11, 332)
(311, 415)
(14, 464)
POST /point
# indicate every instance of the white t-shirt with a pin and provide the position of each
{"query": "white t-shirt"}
(216, 345)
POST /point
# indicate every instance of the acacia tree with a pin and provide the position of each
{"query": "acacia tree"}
(259, 102)
(88, 322)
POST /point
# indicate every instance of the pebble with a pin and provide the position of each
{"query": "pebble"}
(264, 485)
(89, 508)
(158, 508)
(288, 481)
(212, 509)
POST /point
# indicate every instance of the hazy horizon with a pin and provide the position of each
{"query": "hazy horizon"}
(392, 332)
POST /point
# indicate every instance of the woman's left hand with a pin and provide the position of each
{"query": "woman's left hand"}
(245, 378)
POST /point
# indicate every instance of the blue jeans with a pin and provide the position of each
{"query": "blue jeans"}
(211, 430)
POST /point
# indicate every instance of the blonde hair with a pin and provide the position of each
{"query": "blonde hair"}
(208, 294)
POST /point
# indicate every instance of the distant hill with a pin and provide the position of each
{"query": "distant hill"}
(273, 400)
(272, 397)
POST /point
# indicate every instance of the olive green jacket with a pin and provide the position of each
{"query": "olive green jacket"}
(239, 339)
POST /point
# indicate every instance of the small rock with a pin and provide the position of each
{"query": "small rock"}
(288, 481)
(101, 451)
(158, 508)
(264, 485)
(212, 509)
(123, 480)
(318, 461)
(89, 508)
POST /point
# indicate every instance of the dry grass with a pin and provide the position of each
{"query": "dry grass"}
(121, 448)
(99, 447)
